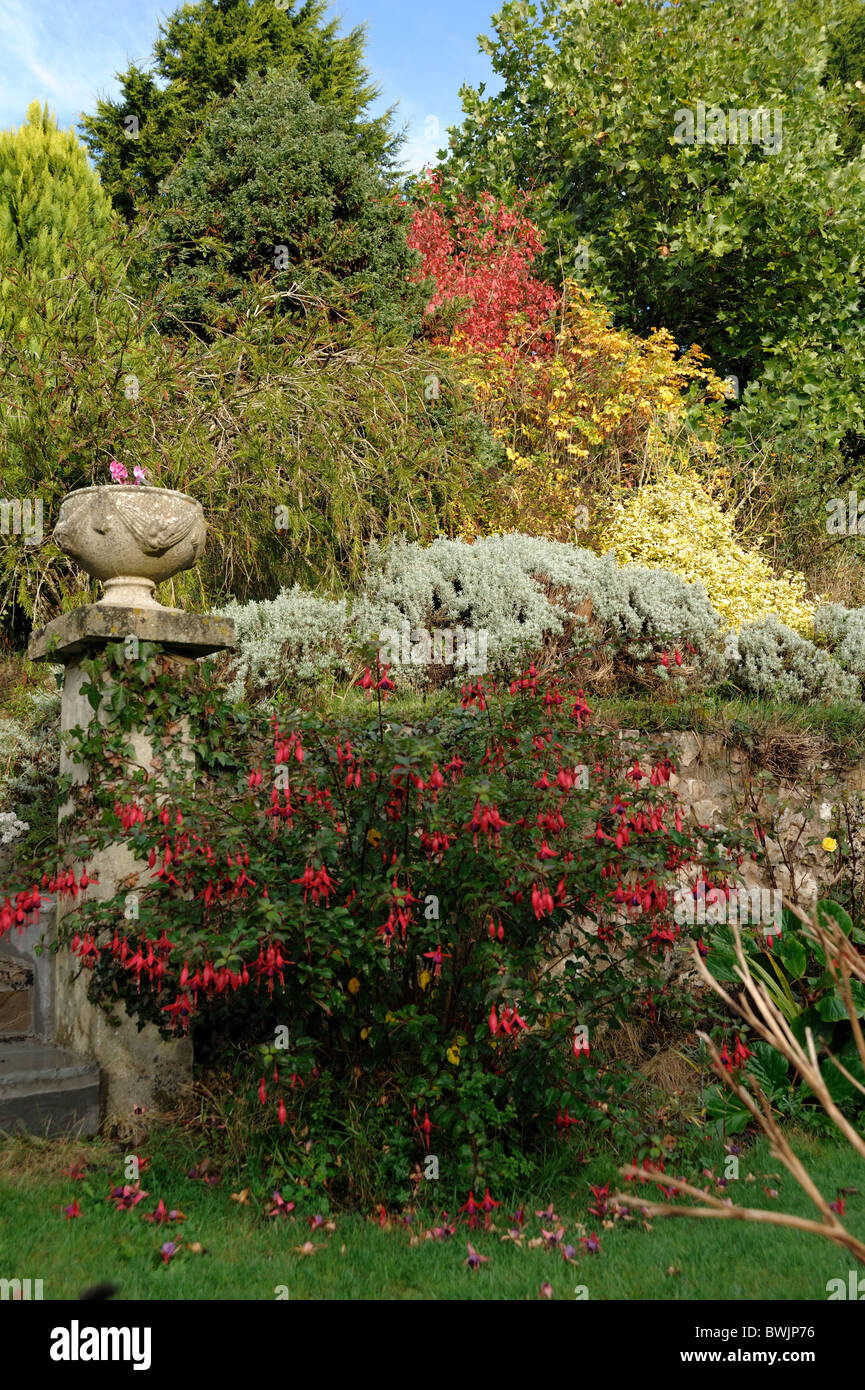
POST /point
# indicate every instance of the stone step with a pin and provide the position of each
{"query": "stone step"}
(44, 1090)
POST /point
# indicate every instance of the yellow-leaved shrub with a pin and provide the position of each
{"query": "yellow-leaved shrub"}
(674, 523)
(577, 421)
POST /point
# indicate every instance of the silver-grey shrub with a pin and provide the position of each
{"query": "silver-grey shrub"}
(843, 631)
(778, 663)
(520, 589)
(29, 754)
(296, 638)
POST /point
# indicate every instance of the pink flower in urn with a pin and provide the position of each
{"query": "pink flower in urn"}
(118, 472)
(138, 474)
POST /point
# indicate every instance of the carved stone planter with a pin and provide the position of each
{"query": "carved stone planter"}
(132, 538)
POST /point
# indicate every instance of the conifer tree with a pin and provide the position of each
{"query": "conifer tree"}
(53, 215)
(204, 51)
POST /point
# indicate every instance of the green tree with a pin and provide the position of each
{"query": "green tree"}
(204, 50)
(278, 190)
(750, 250)
(846, 64)
(53, 215)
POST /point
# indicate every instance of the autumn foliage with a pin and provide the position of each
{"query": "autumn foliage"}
(481, 254)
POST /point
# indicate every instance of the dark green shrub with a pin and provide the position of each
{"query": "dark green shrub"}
(279, 190)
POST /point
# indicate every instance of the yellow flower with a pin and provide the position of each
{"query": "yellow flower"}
(830, 845)
(364, 1033)
(425, 978)
(373, 838)
(453, 1055)
(353, 985)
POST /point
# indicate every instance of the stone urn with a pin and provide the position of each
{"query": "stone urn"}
(130, 537)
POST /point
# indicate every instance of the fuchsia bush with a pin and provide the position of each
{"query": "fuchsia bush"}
(443, 914)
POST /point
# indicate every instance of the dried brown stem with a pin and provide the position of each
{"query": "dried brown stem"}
(756, 1007)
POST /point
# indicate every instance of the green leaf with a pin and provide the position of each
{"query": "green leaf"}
(831, 1007)
(829, 912)
(793, 955)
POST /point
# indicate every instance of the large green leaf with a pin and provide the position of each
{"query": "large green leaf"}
(829, 912)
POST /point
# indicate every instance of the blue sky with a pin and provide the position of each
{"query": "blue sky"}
(66, 52)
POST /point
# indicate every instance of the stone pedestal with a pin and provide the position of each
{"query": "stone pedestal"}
(137, 1067)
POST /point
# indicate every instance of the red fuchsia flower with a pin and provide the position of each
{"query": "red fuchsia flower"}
(520, 1217)
(72, 1211)
(168, 1251)
(601, 1196)
(741, 1053)
(564, 1122)
(425, 1128)
(180, 1012)
(592, 1244)
(510, 1021)
(548, 1215)
(436, 843)
(474, 1259)
(487, 1207)
(546, 1290)
(280, 1206)
(493, 1021)
(262, 1093)
(75, 1171)
(442, 1232)
(385, 684)
(569, 1253)
(486, 820)
(837, 1206)
(161, 1216)
(316, 1221)
(282, 1113)
(580, 711)
(126, 1197)
(542, 902)
(555, 1237)
(473, 1208)
(581, 1045)
(270, 965)
(472, 694)
(677, 657)
(438, 957)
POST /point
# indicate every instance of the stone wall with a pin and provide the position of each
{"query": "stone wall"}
(722, 783)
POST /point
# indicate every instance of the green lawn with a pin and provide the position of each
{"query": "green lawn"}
(248, 1256)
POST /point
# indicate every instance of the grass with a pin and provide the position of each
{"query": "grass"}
(249, 1257)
